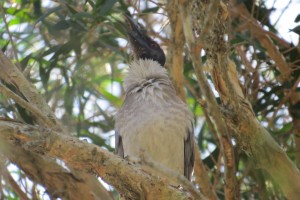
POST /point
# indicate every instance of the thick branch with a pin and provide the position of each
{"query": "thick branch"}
(29, 98)
(134, 181)
(60, 182)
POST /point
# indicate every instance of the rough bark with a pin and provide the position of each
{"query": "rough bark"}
(176, 48)
(59, 182)
(29, 98)
(236, 109)
(132, 180)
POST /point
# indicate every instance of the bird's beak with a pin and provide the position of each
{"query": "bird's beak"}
(135, 33)
(143, 46)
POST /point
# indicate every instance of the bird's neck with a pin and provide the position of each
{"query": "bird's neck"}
(142, 71)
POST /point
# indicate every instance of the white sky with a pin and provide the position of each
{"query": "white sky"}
(286, 22)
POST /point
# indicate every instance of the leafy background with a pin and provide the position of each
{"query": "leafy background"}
(75, 53)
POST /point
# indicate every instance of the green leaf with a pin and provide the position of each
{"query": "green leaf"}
(83, 15)
(151, 10)
(108, 4)
(95, 138)
(14, 21)
(49, 12)
(296, 30)
(69, 99)
(51, 50)
(11, 10)
(61, 25)
(25, 60)
(297, 19)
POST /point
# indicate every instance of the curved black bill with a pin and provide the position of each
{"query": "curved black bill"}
(143, 46)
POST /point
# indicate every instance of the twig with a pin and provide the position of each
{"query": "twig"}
(284, 9)
(259, 33)
(9, 34)
(9, 179)
(29, 107)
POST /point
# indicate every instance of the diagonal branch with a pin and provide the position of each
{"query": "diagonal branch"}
(9, 179)
(134, 181)
(34, 102)
(59, 182)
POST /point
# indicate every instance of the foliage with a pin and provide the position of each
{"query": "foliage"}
(75, 53)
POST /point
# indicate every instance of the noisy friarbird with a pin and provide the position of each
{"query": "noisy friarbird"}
(153, 123)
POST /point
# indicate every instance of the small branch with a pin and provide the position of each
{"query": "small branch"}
(29, 107)
(10, 74)
(176, 48)
(9, 33)
(9, 179)
(258, 32)
(203, 179)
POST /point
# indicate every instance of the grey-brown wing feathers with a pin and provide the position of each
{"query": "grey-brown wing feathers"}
(189, 155)
(119, 145)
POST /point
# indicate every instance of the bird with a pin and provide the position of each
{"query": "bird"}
(153, 122)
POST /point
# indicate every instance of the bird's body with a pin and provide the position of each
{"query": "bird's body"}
(153, 122)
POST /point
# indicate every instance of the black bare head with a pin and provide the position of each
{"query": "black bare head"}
(143, 46)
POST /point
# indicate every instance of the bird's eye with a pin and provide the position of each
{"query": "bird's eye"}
(153, 45)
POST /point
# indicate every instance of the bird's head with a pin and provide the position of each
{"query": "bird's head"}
(143, 46)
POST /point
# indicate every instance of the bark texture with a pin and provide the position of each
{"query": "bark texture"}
(130, 179)
(70, 184)
(211, 23)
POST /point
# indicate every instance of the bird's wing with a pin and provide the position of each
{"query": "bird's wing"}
(189, 155)
(119, 145)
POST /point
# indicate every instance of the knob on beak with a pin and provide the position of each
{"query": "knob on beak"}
(143, 46)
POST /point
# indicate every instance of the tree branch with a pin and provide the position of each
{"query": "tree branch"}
(239, 10)
(250, 135)
(59, 182)
(176, 48)
(10, 74)
(213, 107)
(134, 181)
(9, 179)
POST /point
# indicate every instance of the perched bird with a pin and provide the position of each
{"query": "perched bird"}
(153, 123)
